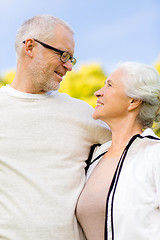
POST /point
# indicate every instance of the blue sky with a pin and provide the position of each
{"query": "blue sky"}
(105, 31)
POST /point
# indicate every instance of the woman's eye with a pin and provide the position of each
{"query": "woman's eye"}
(108, 84)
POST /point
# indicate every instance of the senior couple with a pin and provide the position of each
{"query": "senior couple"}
(46, 137)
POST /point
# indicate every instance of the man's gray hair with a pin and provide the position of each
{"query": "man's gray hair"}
(142, 82)
(41, 27)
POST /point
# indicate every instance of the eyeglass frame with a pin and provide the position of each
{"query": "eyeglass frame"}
(72, 59)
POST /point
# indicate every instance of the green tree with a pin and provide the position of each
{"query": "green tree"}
(82, 83)
(157, 66)
(1, 82)
(156, 126)
(7, 78)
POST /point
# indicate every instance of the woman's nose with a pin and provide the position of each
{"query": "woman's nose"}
(98, 93)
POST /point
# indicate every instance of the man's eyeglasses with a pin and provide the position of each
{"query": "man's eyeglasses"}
(64, 55)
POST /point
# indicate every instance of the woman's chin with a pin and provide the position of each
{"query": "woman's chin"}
(95, 116)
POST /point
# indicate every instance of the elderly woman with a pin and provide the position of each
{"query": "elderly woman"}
(121, 198)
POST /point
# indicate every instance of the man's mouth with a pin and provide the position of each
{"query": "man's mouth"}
(58, 73)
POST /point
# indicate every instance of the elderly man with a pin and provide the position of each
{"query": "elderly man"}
(45, 137)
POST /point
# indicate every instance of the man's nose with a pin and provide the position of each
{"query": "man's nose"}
(68, 65)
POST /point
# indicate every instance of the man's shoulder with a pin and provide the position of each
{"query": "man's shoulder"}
(3, 92)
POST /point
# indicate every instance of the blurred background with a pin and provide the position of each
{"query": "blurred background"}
(106, 32)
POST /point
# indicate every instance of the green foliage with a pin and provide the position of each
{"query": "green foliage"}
(157, 66)
(156, 128)
(157, 125)
(82, 83)
(1, 82)
(7, 78)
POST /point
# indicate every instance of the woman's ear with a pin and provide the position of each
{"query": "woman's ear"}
(134, 104)
(29, 45)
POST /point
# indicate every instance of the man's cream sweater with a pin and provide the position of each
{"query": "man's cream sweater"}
(44, 142)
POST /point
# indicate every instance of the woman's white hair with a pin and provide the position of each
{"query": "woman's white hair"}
(142, 82)
(41, 27)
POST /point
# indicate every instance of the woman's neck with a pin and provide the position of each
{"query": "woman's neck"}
(122, 132)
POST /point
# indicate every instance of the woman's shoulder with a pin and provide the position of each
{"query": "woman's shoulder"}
(150, 134)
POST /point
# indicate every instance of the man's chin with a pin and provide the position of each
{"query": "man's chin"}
(56, 88)
(52, 87)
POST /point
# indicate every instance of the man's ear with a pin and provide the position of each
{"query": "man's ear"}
(29, 45)
(134, 103)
